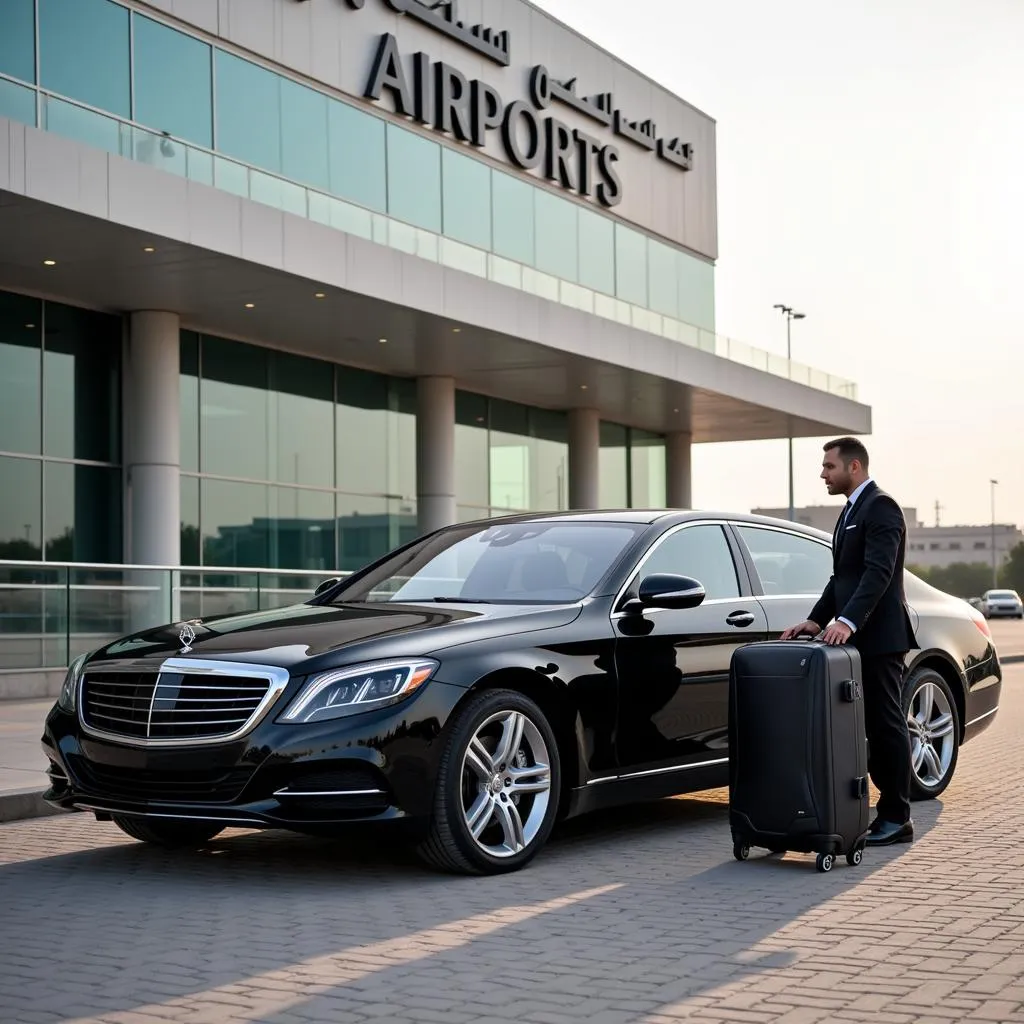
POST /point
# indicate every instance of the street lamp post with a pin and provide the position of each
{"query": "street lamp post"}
(995, 576)
(790, 315)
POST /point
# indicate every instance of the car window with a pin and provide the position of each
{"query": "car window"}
(786, 563)
(522, 562)
(700, 552)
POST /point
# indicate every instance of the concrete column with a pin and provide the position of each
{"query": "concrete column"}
(678, 483)
(435, 452)
(152, 439)
(584, 458)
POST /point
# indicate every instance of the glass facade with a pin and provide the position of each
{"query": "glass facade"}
(173, 82)
(286, 462)
(60, 428)
(289, 462)
(289, 137)
(508, 458)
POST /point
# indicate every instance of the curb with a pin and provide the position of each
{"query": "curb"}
(22, 804)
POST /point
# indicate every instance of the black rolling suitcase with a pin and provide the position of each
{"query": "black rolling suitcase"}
(798, 777)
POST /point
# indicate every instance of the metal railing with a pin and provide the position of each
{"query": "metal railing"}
(78, 121)
(50, 612)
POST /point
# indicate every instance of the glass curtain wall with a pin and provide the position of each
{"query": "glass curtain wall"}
(291, 462)
(508, 458)
(98, 58)
(60, 457)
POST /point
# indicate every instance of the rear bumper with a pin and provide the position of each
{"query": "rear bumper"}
(982, 702)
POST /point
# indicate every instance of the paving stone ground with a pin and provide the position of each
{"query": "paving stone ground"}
(636, 917)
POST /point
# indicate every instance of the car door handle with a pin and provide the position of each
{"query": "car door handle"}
(740, 619)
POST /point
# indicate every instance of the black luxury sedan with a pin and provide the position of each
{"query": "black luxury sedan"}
(477, 685)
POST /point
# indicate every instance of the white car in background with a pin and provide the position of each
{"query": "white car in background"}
(999, 603)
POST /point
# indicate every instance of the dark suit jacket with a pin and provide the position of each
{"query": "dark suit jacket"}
(867, 576)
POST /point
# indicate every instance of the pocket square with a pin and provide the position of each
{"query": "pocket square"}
(854, 527)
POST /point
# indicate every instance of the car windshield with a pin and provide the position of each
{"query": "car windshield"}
(511, 563)
(1003, 595)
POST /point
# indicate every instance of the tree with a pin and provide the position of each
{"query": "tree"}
(1011, 575)
(961, 579)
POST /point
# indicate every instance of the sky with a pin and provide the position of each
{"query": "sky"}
(870, 161)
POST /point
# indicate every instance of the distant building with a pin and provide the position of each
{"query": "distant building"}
(822, 517)
(933, 546)
(927, 546)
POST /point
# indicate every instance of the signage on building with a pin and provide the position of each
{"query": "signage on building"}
(439, 96)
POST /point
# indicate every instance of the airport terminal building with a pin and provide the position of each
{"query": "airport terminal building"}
(284, 283)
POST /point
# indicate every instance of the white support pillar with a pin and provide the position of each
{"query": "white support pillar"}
(152, 439)
(435, 453)
(678, 474)
(584, 458)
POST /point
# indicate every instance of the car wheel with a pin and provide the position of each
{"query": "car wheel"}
(934, 732)
(497, 787)
(171, 834)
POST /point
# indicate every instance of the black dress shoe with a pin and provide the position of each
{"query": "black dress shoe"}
(886, 833)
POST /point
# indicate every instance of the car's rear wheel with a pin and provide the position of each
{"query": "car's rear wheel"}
(497, 787)
(934, 732)
(174, 834)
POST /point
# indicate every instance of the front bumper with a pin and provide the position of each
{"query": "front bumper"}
(379, 766)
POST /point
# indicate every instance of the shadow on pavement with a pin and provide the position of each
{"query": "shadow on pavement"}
(625, 913)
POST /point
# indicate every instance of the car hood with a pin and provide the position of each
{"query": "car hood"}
(307, 637)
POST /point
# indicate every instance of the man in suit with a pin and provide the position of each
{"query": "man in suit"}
(864, 604)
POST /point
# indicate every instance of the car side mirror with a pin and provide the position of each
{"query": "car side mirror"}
(667, 590)
(326, 585)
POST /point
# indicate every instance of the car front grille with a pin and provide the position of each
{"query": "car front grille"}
(169, 705)
(216, 786)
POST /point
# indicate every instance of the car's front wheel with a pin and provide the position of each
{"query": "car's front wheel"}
(934, 732)
(174, 834)
(497, 787)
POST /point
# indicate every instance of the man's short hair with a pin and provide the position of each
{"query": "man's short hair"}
(849, 448)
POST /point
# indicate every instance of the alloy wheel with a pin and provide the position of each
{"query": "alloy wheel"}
(932, 734)
(506, 783)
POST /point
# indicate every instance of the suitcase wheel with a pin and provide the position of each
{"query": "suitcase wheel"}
(854, 857)
(740, 850)
(825, 862)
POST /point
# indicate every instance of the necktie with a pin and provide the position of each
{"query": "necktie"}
(842, 518)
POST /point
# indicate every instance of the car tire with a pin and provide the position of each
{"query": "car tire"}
(497, 787)
(169, 834)
(934, 725)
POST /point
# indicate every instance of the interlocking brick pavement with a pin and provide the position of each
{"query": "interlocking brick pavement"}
(636, 917)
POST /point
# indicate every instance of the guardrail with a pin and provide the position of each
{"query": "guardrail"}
(50, 612)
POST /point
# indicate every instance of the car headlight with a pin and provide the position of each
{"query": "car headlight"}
(68, 699)
(348, 691)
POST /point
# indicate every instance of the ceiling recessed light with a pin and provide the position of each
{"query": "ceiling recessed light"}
(456, 330)
(383, 341)
(49, 263)
(320, 295)
(250, 305)
(479, 419)
(583, 387)
(30, 327)
(675, 410)
(148, 248)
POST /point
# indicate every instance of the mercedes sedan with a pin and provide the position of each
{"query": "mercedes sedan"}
(478, 684)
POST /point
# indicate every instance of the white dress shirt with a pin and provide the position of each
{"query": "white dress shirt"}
(853, 500)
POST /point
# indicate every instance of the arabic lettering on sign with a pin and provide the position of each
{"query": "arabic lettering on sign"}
(443, 16)
(601, 108)
(439, 96)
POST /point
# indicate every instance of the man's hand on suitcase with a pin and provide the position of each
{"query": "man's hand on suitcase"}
(805, 628)
(837, 633)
